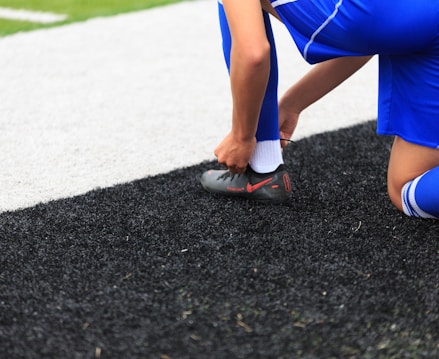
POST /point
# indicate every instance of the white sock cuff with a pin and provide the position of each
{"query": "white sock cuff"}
(405, 199)
(267, 156)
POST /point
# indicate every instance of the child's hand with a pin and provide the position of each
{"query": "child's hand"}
(235, 154)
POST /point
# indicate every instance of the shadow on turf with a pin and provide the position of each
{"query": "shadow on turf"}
(158, 268)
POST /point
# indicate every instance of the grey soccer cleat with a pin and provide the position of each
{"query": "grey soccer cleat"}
(273, 187)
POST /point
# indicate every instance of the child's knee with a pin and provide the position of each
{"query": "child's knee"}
(408, 164)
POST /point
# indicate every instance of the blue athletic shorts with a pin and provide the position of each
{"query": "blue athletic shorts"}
(405, 35)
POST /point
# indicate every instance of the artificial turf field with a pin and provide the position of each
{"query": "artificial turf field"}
(158, 268)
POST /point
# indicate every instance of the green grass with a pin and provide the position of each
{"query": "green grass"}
(77, 10)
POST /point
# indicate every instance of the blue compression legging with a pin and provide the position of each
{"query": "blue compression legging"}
(268, 126)
(420, 197)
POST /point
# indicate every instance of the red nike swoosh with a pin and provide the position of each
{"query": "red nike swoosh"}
(251, 188)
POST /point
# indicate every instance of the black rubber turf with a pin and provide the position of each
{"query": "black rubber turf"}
(158, 268)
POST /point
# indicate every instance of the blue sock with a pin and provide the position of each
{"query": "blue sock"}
(420, 197)
(268, 155)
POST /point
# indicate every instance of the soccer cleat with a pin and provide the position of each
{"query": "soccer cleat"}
(273, 187)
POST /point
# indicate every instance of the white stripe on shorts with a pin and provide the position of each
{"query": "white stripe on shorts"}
(281, 2)
(320, 29)
(274, 3)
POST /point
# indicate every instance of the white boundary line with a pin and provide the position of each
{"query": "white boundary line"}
(31, 16)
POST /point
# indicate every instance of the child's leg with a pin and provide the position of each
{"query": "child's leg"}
(413, 179)
(267, 156)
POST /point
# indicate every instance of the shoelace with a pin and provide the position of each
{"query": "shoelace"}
(228, 174)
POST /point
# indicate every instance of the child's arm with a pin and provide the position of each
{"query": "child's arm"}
(315, 84)
(249, 72)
